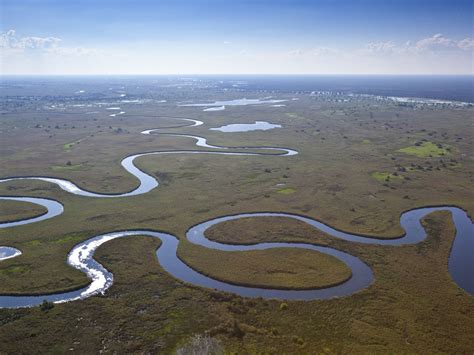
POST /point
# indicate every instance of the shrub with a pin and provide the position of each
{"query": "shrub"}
(46, 306)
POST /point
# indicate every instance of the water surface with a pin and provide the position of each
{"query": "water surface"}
(54, 208)
(8, 253)
(236, 102)
(246, 127)
(461, 264)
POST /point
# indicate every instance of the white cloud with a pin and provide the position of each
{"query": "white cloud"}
(435, 43)
(45, 55)
(436, 54)
(325, 51)
(466, 44)
(381, 47)
(11, 44)
(317, 51)
(10, 41)
(295, 52)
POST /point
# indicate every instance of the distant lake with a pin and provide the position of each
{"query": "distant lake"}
(245, 127)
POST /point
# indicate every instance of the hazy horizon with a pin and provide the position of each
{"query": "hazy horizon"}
(236, 75)
(242, 37)
(437, 87)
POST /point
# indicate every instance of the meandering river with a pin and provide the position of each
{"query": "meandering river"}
(461, 263)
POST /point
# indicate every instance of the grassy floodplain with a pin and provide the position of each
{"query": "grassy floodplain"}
(344, 175)
(278, 268)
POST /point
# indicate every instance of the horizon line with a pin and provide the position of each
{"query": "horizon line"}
(231, 74)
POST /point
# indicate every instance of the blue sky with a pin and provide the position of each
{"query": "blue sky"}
(238, 36)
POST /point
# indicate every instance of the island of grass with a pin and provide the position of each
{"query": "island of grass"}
(281, 268)
(426, 149)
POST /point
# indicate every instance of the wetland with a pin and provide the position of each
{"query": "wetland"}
(323, 204)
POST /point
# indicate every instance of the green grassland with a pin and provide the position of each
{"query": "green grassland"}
(426, 149)
(413, 305)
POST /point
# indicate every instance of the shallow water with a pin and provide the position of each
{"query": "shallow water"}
(54, 209)
(8, 253)
(81, 258)
(461, 265)
(246, 127)
(217, 108)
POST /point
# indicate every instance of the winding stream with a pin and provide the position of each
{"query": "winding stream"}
(53, 208)
(461, 263)
(148, 182)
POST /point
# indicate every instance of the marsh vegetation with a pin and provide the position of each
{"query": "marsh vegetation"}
(361, 163)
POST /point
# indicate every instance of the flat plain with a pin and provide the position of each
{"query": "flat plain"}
(361, 163)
